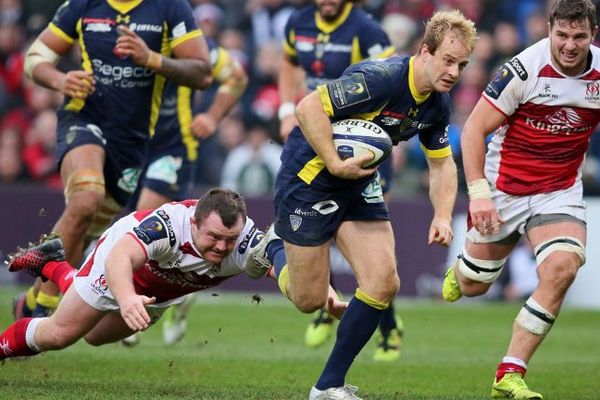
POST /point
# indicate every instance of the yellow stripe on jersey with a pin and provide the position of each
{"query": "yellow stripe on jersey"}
(60, 33)
(419, 98)
(325, 100)
(77, 104)
(371, 115)
(184, 115)
(288, 49)
(439, 153)
(190, 35)
(355, 55)
(311, 169)
(124, 7)
(159, 83)
(328, 27)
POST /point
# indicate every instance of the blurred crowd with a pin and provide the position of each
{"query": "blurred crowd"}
(244, 153)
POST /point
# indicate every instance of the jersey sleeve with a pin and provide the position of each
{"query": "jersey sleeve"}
(434, 141)
(505, 91)
(289, 40)
(64, 23)
(363, 89)
(156, 234)
(374, 42)
(181, 22)
(249, 238)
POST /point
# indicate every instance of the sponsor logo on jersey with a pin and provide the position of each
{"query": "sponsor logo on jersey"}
(244, 244)
(98, 24)
(501, 79)
(348, 91)
(565, 120)
(592, 91)
(129, 179)
(167, 220)
(179, 30)
(145, 27)
(519, 68)
(151, 230)
(546, 92)
(122, 76)
(326, 207)
(306, 213)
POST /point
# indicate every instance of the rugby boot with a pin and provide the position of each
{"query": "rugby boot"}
(258, 264)
(512, 386)
(346, 392)
(450, 288)
(319, 330)
(388, 346)
(35, 256)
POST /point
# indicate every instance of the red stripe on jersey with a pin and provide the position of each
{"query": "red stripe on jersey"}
(189, 203)
(544, 147)
(87, 267)
(168, 284)
(593, 75)
(549, 72)
(306, 39)
(140, 215)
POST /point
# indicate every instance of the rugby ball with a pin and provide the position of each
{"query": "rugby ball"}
(355, 137)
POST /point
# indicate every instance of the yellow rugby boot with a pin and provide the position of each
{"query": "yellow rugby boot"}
(450, 288)
(512, 386)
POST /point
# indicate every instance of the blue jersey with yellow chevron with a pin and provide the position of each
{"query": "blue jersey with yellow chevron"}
(324, 49)
(173, 130)
(127, 97)
(382, 91)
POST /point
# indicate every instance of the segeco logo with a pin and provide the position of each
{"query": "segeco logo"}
(122, 76)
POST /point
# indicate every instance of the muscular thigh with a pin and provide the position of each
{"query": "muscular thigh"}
(542, 233)
(369, 248)
(308, 268)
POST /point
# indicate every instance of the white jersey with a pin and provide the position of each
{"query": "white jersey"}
(174, 267)
(550, 117)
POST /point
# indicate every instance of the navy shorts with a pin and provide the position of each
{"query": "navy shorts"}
(123, 161)
(385, 174)
(169, 175)
(310, 215)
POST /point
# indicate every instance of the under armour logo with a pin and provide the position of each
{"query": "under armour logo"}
(123, 19)
(412, 112)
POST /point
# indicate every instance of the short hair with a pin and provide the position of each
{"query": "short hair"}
(228, 205)
(443, 22)
(573, 11)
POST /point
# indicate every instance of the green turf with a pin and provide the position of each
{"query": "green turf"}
(236, 349)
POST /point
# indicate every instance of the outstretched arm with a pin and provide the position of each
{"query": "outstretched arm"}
(125, 257)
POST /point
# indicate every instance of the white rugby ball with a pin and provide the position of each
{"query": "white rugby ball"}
(355, 137)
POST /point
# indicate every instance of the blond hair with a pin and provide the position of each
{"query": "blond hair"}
(443, 22)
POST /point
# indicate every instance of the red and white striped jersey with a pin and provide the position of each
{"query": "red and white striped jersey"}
(174, 266)
(550, 117)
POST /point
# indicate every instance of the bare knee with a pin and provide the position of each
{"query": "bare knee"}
(83, 206)
(308, 303)
(52, 337)
(559, 270)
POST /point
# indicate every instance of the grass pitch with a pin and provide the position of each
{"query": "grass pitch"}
(238, 349)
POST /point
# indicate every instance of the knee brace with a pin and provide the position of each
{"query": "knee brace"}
(485, 271)
(85, 179)
(534, 319)
(561, 243)
(103, 218)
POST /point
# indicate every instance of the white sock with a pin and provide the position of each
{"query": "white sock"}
(514, 360)
(30, 334)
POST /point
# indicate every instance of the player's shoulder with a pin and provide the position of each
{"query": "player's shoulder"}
(302, 16)
(531, 60)
(248, 237)
(360, 17)
(595, 50)
(395, 67)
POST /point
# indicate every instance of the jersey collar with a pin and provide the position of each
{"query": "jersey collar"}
(418, 97)
(122, 7)
(328, 27)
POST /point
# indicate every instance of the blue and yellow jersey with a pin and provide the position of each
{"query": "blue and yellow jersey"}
(174, 134)
(382, 91)
(324, 49)
(127, 97)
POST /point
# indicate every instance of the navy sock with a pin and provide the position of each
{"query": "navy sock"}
(276, 254)
(354, 331)
(388, 320)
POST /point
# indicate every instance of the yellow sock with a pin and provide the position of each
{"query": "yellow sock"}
(365, 298)
(46, 300)
(30, 298)
(283, 280)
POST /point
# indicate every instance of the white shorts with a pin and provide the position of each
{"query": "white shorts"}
(517, 210)
(92, 288)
